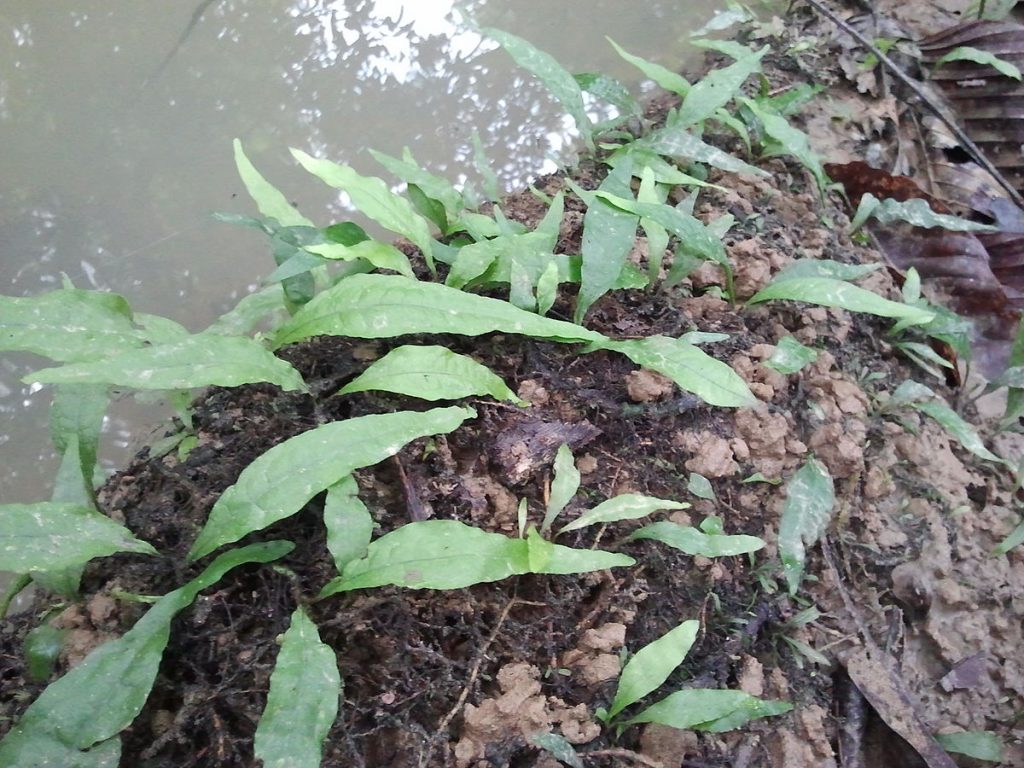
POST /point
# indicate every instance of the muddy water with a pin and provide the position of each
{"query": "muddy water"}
(116, 121)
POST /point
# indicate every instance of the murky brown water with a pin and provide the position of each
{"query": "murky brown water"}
(116, 121)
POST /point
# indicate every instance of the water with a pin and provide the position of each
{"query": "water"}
(116, 121)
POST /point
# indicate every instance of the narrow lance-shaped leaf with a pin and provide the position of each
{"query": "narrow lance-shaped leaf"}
(67, 325)
(705, 709)
(652, 665)
(806, 513)
(718, 88)
(923, 399)
(348, 522)
(790, 356)
(77, 412)
(409, 171)
(431, 373)
(563, 487)
(914, 211)
(608, 236)
(384, 306)
(697, 542)
(828, 292)
(664, 77)
(48, 536)
(559, 82)
(270, 201)
(688, 366)
(625, 506)
(101, 696)
(374, 199)
(447, 554)
(303, 699)
(280, 482)
(676, 141)
(380, 255)
(197, 361)
(789, 140)
(978, 56)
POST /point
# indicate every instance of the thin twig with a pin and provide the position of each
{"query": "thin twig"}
(473, 673)
(965, 141)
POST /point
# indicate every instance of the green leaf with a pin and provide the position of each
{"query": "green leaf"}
(828, 292)
(196, 361)
(269, 200)
(806, 514)
(625, 506)
(446, 554)
(102, 695)
(1015, 395)
(922, 398)
(303, 699)
(790, 356)
(563, 487)
(547, 288)
(68, 325)
(825, 268)
(915, 211)
(409, 171)
(691, 368)
(664, 77)
(431, 373)
(677, 142)
(383, 306)
(48, 536)
(608, 236)
(785, 139)
(652, 665)
(348, 522)
(381, 255)
(694, 237)
(76, 415)
(664, 171)
(695, 542)
(249, 312)
(160, 330)
(374, 199)
(1015, 538)
(558, 747)
(981, 745)
(968, 53)
(556, 79)
(718, 88)
(280, 482)
(42, 648)
(700, 487)
(736, 14)
(610, 90)
(705, 709)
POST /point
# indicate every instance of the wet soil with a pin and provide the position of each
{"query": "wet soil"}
(917, 627)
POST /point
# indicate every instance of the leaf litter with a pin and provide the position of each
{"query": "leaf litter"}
(914, 523)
